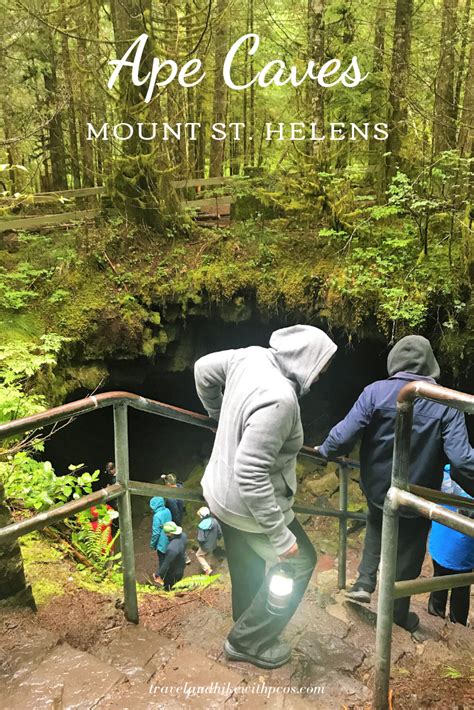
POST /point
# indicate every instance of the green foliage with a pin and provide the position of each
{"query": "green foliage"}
(34, 485)
(58, 296)
(16, 287)
(20, 360)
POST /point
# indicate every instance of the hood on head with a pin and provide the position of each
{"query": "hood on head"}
(414, 354)
(156, 503)
(301, 352)
(206, 523)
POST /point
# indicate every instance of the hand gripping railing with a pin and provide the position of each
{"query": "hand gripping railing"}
(400, 494)
(124, 488)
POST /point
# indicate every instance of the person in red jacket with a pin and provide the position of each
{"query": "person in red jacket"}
(100, 525)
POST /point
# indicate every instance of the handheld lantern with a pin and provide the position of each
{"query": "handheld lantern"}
(280, 589)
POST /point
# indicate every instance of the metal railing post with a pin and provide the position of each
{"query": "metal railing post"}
(125, 512)
(383, 637)
(342, 551)
(388, 561)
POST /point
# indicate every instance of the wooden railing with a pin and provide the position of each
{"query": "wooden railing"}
(210, 206)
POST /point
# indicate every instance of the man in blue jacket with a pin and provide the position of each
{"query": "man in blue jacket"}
(171, 567)
(439, 435)
(176, 505)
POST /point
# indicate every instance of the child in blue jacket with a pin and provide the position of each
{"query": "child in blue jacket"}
(209, 532)
(161, 515)
(452, 552)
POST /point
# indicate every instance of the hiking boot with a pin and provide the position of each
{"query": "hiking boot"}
(273, 657)
(410, 623)
(357, 593)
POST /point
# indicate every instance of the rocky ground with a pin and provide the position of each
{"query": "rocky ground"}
(79, 652)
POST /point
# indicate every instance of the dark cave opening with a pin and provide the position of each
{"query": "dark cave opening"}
(159, 445)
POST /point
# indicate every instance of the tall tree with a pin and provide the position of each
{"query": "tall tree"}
(466, 131)
(399, 78)
(55, 102)
(377, 92)
(316, 51)
(462, 56)
(141, 177)
(71, 112)
(221, 34)
(444, 125)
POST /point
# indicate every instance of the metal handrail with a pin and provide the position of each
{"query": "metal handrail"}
(124, 488)
(402, 494)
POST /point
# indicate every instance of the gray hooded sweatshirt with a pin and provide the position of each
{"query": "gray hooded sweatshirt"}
(250, 480)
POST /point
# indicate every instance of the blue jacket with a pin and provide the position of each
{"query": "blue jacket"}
(176, 506)
(448, 547)
(161, 515)
(172, 567)
(439, 435)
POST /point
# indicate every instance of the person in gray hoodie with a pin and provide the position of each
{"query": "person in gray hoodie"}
(250, 480)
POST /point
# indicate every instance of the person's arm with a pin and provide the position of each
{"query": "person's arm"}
(170, 557)
(210, 374)
(458, 449)
(343, 436)
(266, 430)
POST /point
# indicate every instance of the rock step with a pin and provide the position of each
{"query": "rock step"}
(65, 678)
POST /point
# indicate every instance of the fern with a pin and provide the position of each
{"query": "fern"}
(195, 581)
(94, 544)
(450, 672)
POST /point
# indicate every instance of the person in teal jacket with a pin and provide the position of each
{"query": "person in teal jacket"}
(161, 515)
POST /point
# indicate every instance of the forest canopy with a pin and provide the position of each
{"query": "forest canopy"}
(416, 75)
(372, 174)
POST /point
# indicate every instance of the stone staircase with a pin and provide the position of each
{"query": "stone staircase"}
(135, 667)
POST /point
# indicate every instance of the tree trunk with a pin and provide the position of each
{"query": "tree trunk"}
(14, 591)
(462, 57)
(54, 99)
(252, 132)
(444, 126)
(398, 84)
(220, 88)
(71, 114)
(315, 92)
(141, 177)
(377, 94)
(466, 131)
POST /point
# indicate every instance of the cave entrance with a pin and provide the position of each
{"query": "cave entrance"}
(159, 445)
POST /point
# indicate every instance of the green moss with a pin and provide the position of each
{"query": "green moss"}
(117, 299)
(45, 589)
(44, 566)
